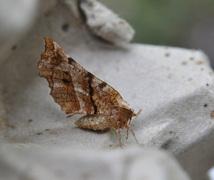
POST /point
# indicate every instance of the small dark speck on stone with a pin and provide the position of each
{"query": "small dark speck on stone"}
(121, 22)
(167, 144)
(14, 47)
(200, 62)
(205, 105)
(212, 114)
(167, 54)
(191, 58)
(30, 120)
(39, 133)
(47, 129)
(65, 27)
(12, 126)
(207, 84)
(184, 63)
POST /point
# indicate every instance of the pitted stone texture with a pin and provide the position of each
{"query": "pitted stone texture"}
(35, 162)
(172, 86)
(105, 23)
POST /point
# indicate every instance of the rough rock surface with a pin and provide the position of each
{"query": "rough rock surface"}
(39, 162)
(172, 86)
(106, 24)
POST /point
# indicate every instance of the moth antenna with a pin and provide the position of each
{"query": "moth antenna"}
(134, 135)
(138, 112)
(131, 128)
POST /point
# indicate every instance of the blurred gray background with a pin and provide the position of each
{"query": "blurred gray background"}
(183, 23)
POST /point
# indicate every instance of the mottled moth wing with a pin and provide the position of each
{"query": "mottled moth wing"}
(75, 89)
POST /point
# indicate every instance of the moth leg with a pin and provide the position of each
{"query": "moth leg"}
(94, 122)
(127, 127)
(71, 115)
(127, 131)
(134, 135)
(120, 138)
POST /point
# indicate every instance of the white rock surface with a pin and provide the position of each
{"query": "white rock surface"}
(16, 18)
(172, 86)
(40, 163)
(105, 23)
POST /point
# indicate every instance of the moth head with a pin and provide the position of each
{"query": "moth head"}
(128, 125)
(131, 113)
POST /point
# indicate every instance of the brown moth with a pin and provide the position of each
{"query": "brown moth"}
(78, 91)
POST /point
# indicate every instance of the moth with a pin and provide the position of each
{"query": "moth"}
(78, 91)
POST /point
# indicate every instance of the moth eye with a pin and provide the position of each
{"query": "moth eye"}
(129, 112)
